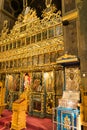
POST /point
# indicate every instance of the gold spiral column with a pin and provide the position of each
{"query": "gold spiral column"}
(43, 97)
(54, 88)
(31, 97)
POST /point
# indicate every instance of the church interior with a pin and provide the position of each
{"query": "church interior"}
(43, 65)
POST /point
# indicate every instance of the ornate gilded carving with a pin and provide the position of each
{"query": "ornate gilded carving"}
(30, 40)
(2, 97)
(49, 103)
(5, 29)
(67, 123)
(48, 3)
(67, 58)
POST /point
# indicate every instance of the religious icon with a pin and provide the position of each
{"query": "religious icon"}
(72, 79)
(51, 32)
(33, 39)
(44, 34)
(27, 81)
(37, 86)
(37, 82)
(48, 79)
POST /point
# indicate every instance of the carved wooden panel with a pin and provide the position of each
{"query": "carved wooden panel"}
(41, 59)
(15, 63)
(6, 64)
(19, 62)
(51, 32)
(38, 37)
(53, 57)
(35, 60)
(29, 61)
(58, 30)
(23, 41)
(47, 58)
(11, 64)
(10, 46)
(44, 34)
(2, 48)
(14, 45)
(24, 62)
(33, 39)
(3, 65)
(27, 40)
(59, 82)
(7, 47)
(18, 43)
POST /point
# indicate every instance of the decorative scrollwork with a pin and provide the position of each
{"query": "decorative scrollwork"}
(5, 29)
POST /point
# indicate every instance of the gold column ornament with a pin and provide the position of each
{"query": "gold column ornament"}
(25, 3)
(48, 3)
(2, 95)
